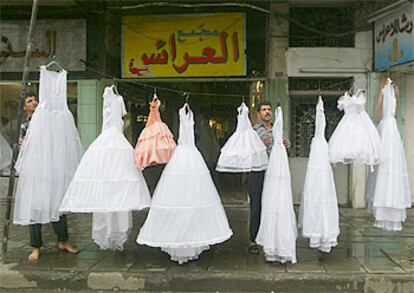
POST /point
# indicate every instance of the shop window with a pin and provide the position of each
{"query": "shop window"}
(331, 20)
(323, 84)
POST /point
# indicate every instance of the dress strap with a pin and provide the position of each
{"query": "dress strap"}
(184, 110)
(155, 102)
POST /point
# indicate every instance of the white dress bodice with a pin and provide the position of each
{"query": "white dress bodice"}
(186, 132)
(113, 110)
(52, 90)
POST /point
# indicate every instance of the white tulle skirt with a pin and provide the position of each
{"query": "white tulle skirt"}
(388, 187)
(47, 161)
(107, 179)
(319, 216)
(355, 139)
(111, 230)
(277, 232)
(186, 214)
(243, 152)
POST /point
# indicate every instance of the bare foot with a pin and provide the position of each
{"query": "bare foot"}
(253, 248)
(68, 247)
(34, 255)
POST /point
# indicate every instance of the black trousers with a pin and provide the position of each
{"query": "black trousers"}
(255, 186)
(60, 228)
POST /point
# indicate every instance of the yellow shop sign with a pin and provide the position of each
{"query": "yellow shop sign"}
(184, 45)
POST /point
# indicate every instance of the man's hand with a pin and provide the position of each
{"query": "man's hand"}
(267, 141)
(286, 143)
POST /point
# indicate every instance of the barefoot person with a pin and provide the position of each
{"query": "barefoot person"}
(60, 227)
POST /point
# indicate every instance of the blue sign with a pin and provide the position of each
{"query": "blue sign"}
(394, 38)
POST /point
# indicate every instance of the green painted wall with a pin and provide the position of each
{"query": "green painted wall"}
(89, 110)
(277, 92)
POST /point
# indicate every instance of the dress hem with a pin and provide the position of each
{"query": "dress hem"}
(194, 244)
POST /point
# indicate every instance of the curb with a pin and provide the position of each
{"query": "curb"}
(205, 281)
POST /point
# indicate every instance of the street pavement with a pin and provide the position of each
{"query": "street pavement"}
(366, 260)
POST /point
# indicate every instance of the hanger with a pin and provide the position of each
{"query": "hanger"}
(351, 91)
(54, 62)
(320, 101)
(240, 108)
(154, 96)
(114, 87)
(243, 99)
(389, 77)
(186, 97)
(186, 105)
(319, 94)
(358, 92)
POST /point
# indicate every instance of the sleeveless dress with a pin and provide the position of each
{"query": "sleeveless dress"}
(107, 182)
(277, 231)
(388, 187)
(355, 138)
(48, 156)
(155, 144)
(186, 214)
(319, 216)
(107, 179)
(244, 151)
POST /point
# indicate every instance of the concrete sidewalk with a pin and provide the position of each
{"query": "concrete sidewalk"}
(366, 260)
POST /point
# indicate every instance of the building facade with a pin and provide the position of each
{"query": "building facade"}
(287, 52)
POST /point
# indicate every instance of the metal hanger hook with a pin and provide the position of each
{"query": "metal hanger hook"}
(186, 96)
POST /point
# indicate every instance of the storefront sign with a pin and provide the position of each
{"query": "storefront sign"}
(394, 38)
(184, 45)
(64, 39)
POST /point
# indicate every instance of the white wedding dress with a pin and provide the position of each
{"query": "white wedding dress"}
(186, 214)
(107, 179)
(107, 182)
(244, 151)
(277, 232)
(49, 155)
(388, 187)
(319, 216)
(355, 138)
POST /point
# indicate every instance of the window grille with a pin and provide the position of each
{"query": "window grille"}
(332, 20)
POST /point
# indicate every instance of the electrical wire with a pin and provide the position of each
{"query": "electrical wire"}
(167, 89)
(245, 5)
(186, 93)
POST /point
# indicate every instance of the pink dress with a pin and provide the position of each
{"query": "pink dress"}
(155, 144)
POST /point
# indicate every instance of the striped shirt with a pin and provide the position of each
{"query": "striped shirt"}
(23, 130)
(264, 134)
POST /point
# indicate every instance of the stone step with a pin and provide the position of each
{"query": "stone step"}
(236, 281)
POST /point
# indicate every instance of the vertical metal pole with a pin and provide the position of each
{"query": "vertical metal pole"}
(29, 45)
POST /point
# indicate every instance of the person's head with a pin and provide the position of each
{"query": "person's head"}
(264, 109)
(30, 103)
